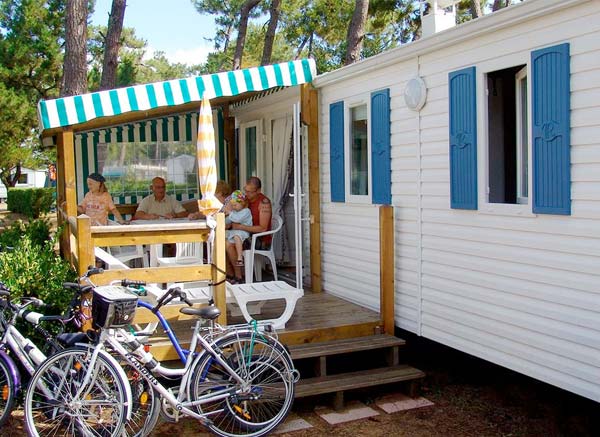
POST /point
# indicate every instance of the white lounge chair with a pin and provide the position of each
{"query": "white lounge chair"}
(249, 298)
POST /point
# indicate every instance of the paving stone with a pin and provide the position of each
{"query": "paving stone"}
(291, 425)
(399, 402)
(353, 411)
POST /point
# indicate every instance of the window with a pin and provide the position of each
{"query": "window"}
(251, 148)
(522, 138)
(130, 167)
(359, 151)
(508, 127)
(23, 179)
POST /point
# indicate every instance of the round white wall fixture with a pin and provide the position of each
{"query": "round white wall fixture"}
(415, 94)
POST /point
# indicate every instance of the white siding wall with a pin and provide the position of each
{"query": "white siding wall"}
(511, 287)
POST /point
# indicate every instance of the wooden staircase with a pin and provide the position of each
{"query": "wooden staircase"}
(320, 365)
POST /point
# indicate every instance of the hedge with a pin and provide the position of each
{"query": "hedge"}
(31, 202)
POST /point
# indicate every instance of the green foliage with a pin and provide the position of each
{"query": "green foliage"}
(32, 202)
(38, 231)
(36, 270)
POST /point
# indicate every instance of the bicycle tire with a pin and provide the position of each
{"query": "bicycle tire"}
(145, 410)
(101, 411)
(266, 397)
(7, 391)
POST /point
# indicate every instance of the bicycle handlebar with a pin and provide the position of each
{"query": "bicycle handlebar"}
(171, 294)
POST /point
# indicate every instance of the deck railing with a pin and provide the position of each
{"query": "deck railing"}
(80, 238)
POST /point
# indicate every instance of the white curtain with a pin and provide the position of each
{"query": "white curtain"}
(281, 133)
(281, 142)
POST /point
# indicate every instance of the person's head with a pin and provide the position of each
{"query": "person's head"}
(159, 188)
(95, 183)
(238, 200)
(252, 188)
(222, 190)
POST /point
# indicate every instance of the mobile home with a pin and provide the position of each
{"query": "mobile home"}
(484, 138)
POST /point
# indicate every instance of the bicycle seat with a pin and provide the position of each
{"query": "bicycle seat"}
(71, 338)
(208, 312)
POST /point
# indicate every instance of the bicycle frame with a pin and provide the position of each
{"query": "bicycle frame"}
(113, 338)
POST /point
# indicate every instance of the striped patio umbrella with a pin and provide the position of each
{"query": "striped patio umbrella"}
(207, 166)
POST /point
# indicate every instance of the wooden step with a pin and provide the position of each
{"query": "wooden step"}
(361, 379)
(347, 345)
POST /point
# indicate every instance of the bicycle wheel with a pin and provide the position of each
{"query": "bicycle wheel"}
(259, 404)
(146, 404)
(7, 391)
(58, 404)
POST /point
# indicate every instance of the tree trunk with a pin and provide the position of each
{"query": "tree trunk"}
(75, 63)
(476, 9)
(356, 32)
(241, 39)
(112, 44)
(270, 36)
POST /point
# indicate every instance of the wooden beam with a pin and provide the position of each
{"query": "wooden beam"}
(157, 274)
(310, 116)
(386, 266)
(69, 169)
(218, 269)
(85, 250)
(61, 197)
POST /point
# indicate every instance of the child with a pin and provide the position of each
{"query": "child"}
(97, 203)
(242, 215)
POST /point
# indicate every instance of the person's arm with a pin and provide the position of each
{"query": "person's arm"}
(113, 209)
(141, 214)
(178, 210)
(118, 215)
(264, 219)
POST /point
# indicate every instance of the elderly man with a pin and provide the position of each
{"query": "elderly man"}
(260, 207)
(158, 204)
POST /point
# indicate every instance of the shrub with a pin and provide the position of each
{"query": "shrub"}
(38, 231)
(32, 269)
(31, 202)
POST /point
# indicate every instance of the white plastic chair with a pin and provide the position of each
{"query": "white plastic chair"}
(129, 253)
(254, 259)
(185, 253)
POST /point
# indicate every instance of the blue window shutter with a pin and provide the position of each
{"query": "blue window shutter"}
(336, 149)
(551, 160)
(463, 139)
(380, 148)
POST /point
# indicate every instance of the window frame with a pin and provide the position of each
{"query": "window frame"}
(349, 105)
(483, 69)
(243, 149)
(519, 77)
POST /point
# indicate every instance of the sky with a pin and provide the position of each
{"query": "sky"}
(171, 26)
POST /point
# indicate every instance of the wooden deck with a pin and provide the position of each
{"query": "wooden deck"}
(318, 317)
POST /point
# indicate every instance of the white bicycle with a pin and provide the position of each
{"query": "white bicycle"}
(239, 380)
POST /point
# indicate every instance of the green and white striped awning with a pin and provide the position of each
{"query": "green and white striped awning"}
(74, 110)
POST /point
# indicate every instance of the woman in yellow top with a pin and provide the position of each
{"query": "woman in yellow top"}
(97, 203)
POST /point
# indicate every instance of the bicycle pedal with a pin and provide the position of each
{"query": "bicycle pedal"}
(241, 412)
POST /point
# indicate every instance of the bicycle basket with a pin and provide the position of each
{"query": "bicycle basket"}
(113, 306)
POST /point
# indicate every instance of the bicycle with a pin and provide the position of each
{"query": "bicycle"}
(30, 357)
(239, 381)
(14, 344)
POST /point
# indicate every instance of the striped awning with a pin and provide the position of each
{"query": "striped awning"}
(72, 110)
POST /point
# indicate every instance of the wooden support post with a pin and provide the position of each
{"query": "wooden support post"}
(386, 266)
(85, 248)
(310, 117)
(218, 269)
(69, 168)
(85, 258)
(61, 197)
